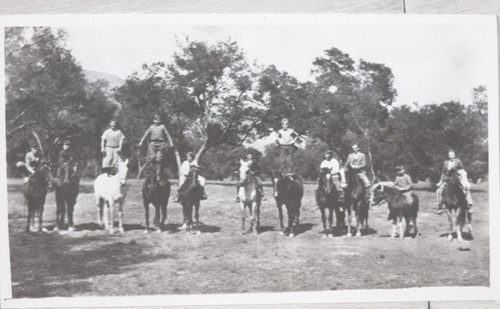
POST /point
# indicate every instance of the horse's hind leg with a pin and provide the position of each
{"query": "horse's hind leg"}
(59, 211)
(30, 217)
(323, 219)
(146, 214)
(401, 227)
(243, 217)
(41, 228)
(163, 215)
(71, 207)
(197, 217)
(120, 217)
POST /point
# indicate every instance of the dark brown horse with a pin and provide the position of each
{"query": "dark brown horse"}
(399, 207)
(156, 193)
(189, 197)
(327, 199)
(35, 192)
(356, 202)
(288, 191)
(456, 205)
(66, 194)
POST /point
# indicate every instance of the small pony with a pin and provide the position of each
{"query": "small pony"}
(249, 197)
(398, 207)
(110, 190)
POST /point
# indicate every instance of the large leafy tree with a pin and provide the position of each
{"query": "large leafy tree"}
(206, 93)
(48, 98)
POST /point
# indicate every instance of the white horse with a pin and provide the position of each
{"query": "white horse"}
(110, 190)
(249, 197)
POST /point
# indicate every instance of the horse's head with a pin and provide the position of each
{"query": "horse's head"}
(244, 170)
(122, 170)
(461, 180)
(377, 194)
(43, 175)
(278, 181)
(325, 180)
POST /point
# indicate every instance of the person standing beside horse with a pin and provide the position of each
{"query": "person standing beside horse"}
(450, 166)
(331, 166)
(255, 170)
(184, 173)
(287, 142)
(356, 161)
(403, 183)
(111, 147)
(158, 138)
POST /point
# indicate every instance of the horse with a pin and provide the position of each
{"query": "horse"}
(327, 199)
(66, 194)
(455, 203)
(110, 190)
(398, 207)
(190, 194)
(287, 191)
(249, 197)
(356, 201)
(156, 193)
(35, 192)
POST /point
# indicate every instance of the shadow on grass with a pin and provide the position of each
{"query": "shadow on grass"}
(68, 264)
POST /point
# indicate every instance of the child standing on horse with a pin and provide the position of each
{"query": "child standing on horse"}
(158, 137)
(111, 147)
(184, 173)
(287, 141)
(66, 162)
(254, 170)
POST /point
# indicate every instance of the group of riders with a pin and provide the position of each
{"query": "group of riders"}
(158, 137)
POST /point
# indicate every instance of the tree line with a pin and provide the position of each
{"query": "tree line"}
(212, 100)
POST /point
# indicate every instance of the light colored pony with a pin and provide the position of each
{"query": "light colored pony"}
(249, 197)
(110, 190)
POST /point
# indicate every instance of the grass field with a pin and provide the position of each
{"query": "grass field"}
(221, 260)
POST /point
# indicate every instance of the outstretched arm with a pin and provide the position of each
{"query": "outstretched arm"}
(143, 139)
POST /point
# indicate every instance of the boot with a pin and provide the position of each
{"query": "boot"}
(176, 198)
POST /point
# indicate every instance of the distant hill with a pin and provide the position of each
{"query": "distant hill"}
(114, 81)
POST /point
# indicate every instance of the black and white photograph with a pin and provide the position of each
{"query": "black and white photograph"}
(249, 157)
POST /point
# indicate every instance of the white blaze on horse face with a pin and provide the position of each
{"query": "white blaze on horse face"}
(464, 181)
(244, 166)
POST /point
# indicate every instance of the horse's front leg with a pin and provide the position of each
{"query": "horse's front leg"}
(330, 222)
(280, 215)
(243, 217)
(146, 214)
(197, 216)
(291, 219)
(30, 217)
(111, 222)
(394, 223)
(349, 222)
(255, 217)
(41, 228)
(460, 225)
(323, 219)
(450, 219)
(100, 208)
(71, 208)
(358, 223)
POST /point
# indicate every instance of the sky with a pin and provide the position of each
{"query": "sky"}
(431, 63)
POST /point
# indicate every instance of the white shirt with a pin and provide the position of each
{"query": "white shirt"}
(185, 168)
(286, 137)
(332, 165)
